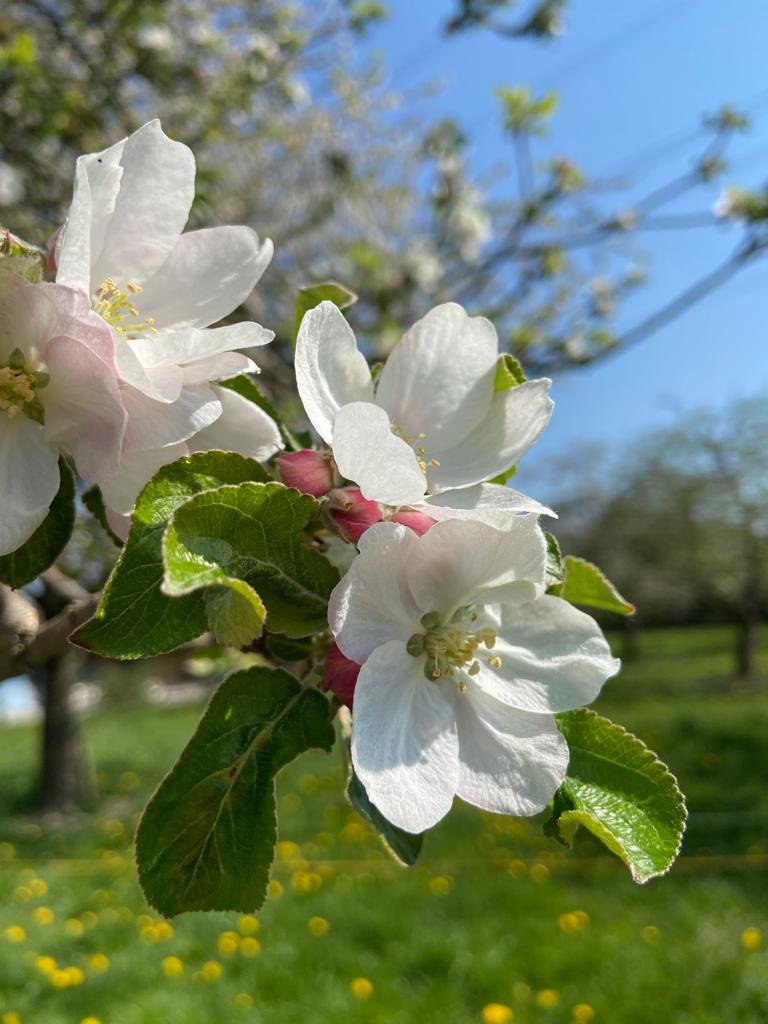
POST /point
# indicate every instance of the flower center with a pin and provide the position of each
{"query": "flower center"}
(119, 309)
(453, 649)
(19, 386)
(421, 453)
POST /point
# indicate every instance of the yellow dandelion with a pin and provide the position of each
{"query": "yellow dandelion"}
(75, 975)
(751, 939)
(149, 933)
(143, 921)
(10, 1018)
(247, 924)
(582, 1013)
(74, 927)
(243, 1001)
(318, 926)
(275, 889)
(14, 933)
(650, 934)
(361, 988)
(172, 966)
(59, 979)
(228, 943)
(7, 852)
(43, 915)
(539, 873)
(517, 868)
(211, 971)
(98, 962)
(497, 1013)
(45, 964)
(286, 850)
(547, 998)
(440, 885)
(355, 832)
(164, 930)
(38, 886)
(90, 1020)
(250, 947)
(22, 894)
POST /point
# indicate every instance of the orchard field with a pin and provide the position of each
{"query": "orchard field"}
(496, 924)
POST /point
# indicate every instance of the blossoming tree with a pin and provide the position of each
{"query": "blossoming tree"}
(405, 602)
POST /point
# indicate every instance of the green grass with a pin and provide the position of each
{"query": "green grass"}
(483, 919)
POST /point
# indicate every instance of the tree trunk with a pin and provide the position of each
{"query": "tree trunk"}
(748, 643)
(66, 778)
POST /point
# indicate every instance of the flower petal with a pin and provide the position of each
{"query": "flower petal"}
(485, 503)
(242, 427)
(510, 762)
(459, 563)
(515, 420)
(29, 479)
(154, 424)
(372, 603)
(404, 744)
(330, 372)
(553, 658)
(120, 492)
(438, 381)
(366, 451)
(209, 273)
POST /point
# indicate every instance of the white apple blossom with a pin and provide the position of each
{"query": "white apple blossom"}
(58, 390)
(432, 421)
(465, 661)
(159, 290)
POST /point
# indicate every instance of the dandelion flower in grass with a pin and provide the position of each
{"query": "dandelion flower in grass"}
(361, 988)
(247, 924)
(250, 947)
(172, 966)
(318, 926)
(547, 998)
(43, 915)
(211, 971)
(465, 661)
(98, 962)
(497, 1013)
(15, 934)
(751, 939)
(228, 943)
(582, 1013)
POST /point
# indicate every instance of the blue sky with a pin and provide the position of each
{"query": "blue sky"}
(634, 80)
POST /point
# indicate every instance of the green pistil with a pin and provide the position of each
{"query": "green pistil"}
(19, 386)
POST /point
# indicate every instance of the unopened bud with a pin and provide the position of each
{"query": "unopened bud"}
(340, 675)
(308, 471)
(352, 514)
(419, 522)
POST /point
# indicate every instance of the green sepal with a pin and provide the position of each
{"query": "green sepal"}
(312, 295)
(509, 373)
(553, 576)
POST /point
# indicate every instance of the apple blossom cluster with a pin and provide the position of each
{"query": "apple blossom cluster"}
(445, 637)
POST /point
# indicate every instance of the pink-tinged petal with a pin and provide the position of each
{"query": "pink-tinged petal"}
(154, 424)
(553, 658)
(340, 675)
(207, 275)
(120, 492)
(485, 503)
(84, 408)
(510, 761)
(404, 743)
(150, 209)
(330, 372)
(415, 520)
(459, 563)
(29, 479)
(372, 603)
(308, 471)
(352, 513)
(160, 381)
(438, 381)
(242, 427)
(368, 453)
(515, 420)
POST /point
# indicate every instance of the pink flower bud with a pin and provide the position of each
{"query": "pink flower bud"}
(308, 471)
(352, 513)
(340, 675)
(50, 254)
(419, 522)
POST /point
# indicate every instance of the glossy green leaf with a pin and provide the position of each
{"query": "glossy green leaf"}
(312, 295)
(619, 790)
(206, 839)
(93, 500)
(135, 619)
(250, 538)
(404, 846)
(585, 584)
(48, 541)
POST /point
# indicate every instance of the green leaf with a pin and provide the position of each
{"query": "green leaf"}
(48, 541)
(619, 790)
(247, 388)
(135, 619)
(404, 846)
(93, 500)
(312, 295)
(554, 572)
(206, 839)
(250, 538)
(585, 584)
(509, 373)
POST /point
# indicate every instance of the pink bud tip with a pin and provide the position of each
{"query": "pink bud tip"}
(419, 522)
(308, 471)
(340, 675)
(352, 513)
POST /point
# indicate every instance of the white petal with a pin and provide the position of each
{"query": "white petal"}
(242, 427)
(438, 381)
(510, 762)
(366, 451)
(330, 372)
(29, 479)
(372, 603)
(404, 745)
(553, 658)
(515, 420)
(463, 562)
(161, 381)
(120, 492)
(486, 503)
(209, 273)
(202, 353)
(154, 424)
(150, 210)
